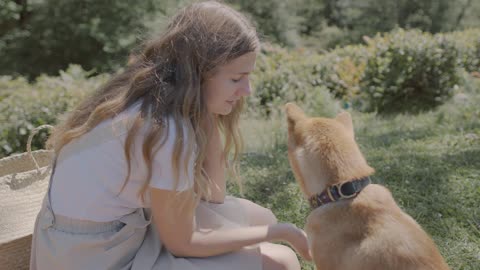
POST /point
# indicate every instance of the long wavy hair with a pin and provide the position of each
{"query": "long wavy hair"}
(167, 75)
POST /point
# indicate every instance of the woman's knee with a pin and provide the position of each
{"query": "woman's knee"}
(278, 257)
(258, 215)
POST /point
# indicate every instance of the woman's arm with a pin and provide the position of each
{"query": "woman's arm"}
(177, 232)
(214, 165)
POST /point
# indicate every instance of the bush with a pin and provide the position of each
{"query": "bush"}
(467, 44)
(341, 70)
(409, 71)
(286, 75)
(399, 71)
(25, 106)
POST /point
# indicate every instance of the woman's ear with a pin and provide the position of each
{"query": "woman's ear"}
(346, 120)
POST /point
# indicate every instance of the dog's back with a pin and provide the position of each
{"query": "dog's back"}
(368, 232)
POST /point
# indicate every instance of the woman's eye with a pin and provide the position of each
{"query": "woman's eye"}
(236, 80)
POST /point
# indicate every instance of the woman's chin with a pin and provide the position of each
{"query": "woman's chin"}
(226, 110)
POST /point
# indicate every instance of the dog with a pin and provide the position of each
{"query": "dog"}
(354, 224)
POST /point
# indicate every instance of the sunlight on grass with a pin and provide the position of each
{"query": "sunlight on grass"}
(262, 135)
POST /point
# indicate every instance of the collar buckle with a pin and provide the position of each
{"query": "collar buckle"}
(348, 192)
(340, 191)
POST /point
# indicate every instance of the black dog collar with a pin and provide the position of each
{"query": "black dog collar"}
(340, 191)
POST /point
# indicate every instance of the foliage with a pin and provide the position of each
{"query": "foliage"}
(285, 75)
(467, 44)
(341, 70)
(368, 17)
(276, 20)
(402, 71)
(410, 71)
(45, 36)
(52, 34)
(24, 106)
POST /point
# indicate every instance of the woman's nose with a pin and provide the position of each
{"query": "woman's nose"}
(245, 90)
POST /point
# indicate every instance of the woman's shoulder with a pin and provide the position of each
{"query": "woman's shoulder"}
(122, 123)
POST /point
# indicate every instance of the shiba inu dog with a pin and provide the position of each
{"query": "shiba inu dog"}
(355, 225)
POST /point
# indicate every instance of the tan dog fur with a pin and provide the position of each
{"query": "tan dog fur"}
(369, 232)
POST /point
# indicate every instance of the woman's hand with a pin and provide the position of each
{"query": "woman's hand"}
(177, 230)
(295, 236)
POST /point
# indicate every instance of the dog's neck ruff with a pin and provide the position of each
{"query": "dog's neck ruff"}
(340, 191)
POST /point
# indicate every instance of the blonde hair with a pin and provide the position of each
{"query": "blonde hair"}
(167, 77)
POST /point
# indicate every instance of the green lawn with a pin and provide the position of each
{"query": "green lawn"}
(429, 161)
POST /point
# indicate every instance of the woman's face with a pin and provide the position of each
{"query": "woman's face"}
(229, 84)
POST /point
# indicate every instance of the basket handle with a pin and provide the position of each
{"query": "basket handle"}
(29, 143)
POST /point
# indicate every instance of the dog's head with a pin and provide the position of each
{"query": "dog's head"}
(323, 151)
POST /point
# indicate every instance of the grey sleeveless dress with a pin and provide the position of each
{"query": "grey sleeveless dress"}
(131, 242)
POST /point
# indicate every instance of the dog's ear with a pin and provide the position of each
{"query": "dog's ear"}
(346, 119)
(294, 113)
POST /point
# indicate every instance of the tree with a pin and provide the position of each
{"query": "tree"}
(276, 20)
(45, 36)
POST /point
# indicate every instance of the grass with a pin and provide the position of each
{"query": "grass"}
(430, 162)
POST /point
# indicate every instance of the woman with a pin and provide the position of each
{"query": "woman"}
(139, 176)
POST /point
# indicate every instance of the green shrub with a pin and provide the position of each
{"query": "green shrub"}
(467, 44)
(409, 71)
(25, 106)
(286, 75)
(341, 70)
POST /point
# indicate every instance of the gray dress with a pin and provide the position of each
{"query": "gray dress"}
(131, 242)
